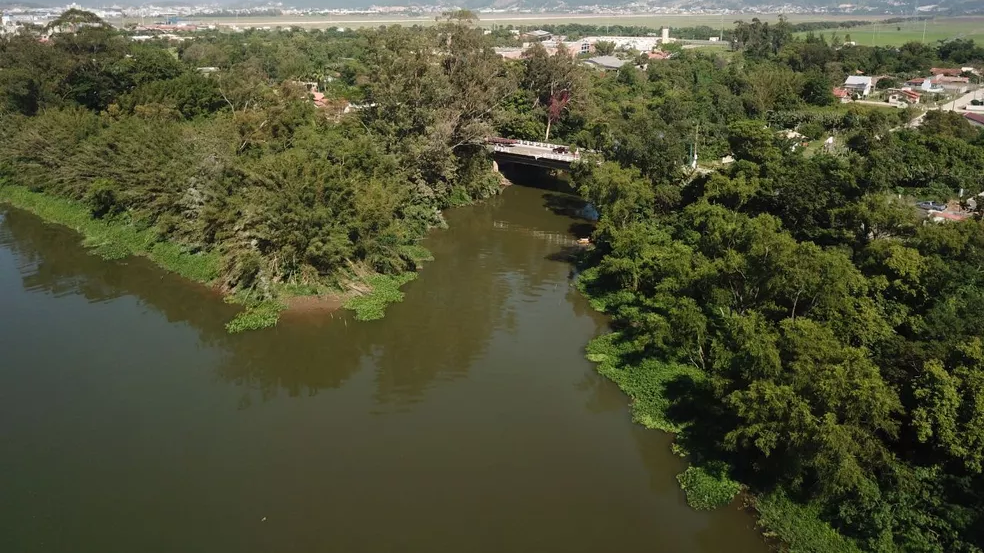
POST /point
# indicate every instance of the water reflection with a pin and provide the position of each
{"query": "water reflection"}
(466, 420)
(490, 265)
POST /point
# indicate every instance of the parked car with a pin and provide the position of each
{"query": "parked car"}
(931, 206)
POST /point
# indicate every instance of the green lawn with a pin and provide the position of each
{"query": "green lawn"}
(943, 28)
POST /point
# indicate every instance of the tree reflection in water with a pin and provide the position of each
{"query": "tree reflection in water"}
(471, 291)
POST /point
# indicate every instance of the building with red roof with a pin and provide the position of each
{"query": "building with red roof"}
(975, 119)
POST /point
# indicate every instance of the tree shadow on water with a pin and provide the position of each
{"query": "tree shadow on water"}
(565, 205)
(581, 230)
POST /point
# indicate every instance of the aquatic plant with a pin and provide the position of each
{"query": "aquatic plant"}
(385, 290)
(708, 487)
(113, 238)
(256, 316)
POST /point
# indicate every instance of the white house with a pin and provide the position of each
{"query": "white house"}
(6, 24)
(860, 84)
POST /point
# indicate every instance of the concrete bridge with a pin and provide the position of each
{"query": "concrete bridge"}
(538, 154)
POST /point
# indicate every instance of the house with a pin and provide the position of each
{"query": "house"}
(7, 24)
(658, 55)
(510, 53)
(860, 85)
(640, 43)
(903, 95)
(842, 94)
(572, 47)
(925, 85)
(957, 85)
(606, 63)
(948, 72)
(539, 35)
(975, 119)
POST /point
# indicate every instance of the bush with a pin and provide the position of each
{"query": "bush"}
(708, 487)
(385, 290)
(812, 130)
(264, 314)
(101, 199)
(798, 526)
(113, 239)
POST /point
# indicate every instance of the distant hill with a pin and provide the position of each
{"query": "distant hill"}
(943, 7)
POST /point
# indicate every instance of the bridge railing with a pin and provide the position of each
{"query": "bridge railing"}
(545, 155)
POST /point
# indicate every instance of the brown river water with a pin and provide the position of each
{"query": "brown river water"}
(467, 420)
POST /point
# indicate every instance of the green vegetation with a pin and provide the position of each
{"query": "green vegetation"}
(789, 316)
(385, 289)
(645, 384)
(256, 316)
(903, 32)
(111, 239)
(832, 344)
(266, 193)
(708, 488)
(799, 527)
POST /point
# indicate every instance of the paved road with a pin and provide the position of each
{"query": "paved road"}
(536, 150)
(953, 105)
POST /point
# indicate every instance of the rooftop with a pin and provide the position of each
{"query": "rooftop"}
(975, 117)
(606, 62)
(858, 80)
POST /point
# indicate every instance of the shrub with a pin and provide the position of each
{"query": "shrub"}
(708, 487)
(264, 314)
(385, 290)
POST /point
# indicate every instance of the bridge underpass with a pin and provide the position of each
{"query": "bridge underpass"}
(537, 154)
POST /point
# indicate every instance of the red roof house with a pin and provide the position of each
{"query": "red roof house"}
(976, 119)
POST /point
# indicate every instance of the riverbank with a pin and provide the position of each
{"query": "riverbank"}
(367, 294)
(708, 481)
(458, 422)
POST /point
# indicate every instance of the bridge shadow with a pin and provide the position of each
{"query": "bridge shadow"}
(541, 178)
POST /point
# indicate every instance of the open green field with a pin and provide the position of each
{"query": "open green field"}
(930, 31)
(488, 20)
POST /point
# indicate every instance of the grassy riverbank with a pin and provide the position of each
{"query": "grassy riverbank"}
(113, 239)
(117, 238)
(707, 482)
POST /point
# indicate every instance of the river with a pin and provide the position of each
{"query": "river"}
(467, 420)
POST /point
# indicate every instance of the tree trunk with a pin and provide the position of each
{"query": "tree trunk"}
(546, 137)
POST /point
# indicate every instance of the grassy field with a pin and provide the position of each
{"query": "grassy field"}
(488, 20)
(943, 28)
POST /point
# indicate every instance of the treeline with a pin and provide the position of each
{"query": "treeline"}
(238, 163)
(576, 31)
(788, 314)
(791, 315)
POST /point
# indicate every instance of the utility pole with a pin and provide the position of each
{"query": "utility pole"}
(924, 32)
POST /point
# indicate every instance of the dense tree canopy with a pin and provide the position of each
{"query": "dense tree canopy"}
(837, 336)
(831, 339)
